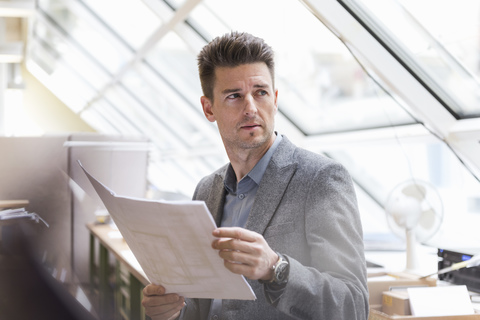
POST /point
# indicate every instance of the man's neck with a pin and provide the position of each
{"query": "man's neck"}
(244, 160)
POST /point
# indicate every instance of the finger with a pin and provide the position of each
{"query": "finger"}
(236, 257)
(236, 233)
(165, 311)
(246, 270)
(252, 258)
(237, 268)
(174, 316)
(153, 289)
(227, 244)
(156, 301)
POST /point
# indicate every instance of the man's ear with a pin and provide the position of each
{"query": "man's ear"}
(207, 108)
(276, 101)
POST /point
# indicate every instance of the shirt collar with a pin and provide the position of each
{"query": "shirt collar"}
(256, 173)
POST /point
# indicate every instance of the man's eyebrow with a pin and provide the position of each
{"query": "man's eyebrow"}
(231, 90)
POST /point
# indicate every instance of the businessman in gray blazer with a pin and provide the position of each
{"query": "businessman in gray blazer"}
(288, 217)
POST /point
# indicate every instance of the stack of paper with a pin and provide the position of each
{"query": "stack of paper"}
(19, 213)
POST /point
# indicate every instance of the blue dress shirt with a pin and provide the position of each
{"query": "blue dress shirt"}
(239, 202)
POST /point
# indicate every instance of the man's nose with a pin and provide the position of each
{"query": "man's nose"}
(250, 106)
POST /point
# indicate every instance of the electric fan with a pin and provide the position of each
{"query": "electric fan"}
(414, 212)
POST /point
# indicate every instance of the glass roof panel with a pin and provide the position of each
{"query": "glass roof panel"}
(62, 77)
(176, 3)
(103, 118)
(173, 59)
(210, 21)
(162, 9)
(88, 34)
(132, 20)
(61, 49)
(140, 118)
(439, 37)
(170, 108)
(322, 88)
(336, 112)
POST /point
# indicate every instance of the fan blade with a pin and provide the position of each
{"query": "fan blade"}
(416, 191)
(427, 219)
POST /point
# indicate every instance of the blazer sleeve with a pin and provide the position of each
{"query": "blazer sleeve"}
(333, 285)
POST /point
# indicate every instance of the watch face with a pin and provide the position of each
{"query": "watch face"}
(281, 272)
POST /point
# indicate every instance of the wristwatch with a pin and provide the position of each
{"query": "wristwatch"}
(280, 271)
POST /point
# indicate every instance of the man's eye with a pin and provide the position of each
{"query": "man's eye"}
(233, 96)
(262, 92)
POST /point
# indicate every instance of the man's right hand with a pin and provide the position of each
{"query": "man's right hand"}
(161, 306)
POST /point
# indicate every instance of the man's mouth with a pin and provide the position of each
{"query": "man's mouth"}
(249, 126)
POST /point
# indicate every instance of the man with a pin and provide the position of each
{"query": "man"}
(289, 218)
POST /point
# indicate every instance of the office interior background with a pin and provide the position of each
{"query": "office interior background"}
(389, 88)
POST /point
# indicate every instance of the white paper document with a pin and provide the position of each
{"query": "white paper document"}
(172, 242)
(440, 301)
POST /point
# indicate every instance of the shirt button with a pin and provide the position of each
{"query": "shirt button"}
(241, 196)
(215, 317)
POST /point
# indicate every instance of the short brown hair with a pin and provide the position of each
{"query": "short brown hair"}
(231, 50)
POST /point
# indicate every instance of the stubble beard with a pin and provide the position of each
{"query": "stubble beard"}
(257, 139)
(255, 142)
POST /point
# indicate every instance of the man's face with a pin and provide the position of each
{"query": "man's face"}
(244, 106)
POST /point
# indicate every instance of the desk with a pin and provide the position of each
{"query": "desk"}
(123, 299)
(8, 204)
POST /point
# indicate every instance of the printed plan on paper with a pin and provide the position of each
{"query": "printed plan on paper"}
(172, 242)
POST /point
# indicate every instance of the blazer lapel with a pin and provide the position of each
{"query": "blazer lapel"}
(216, 199)
(272, 187)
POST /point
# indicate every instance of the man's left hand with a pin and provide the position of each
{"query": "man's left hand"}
(245, 252)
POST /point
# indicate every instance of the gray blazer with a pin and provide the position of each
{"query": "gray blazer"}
(306, 209)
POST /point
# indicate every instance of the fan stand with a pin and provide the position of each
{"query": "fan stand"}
(412, 255)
